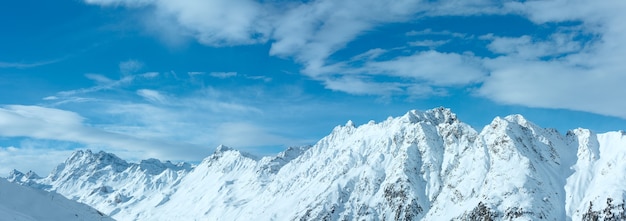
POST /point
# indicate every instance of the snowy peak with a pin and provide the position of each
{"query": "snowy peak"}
(586, 143)
(424, 165)
(514, 132)
(435, 116)
(596, 189)
(15, 175)
(222, 148)
(96, 160)
(222, 151)
(109, 183)
(274, 164)
(154, 166)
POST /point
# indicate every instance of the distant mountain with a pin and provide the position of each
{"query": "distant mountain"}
(420, 166)
(28, 204)
(120, 189)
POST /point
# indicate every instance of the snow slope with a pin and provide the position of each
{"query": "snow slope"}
(420, 166)
(597, 189)
(120, 189)
(27, 204)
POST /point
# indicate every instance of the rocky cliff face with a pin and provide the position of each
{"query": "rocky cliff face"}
(420, 166)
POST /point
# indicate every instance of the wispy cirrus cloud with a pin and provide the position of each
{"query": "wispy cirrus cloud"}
(223, 75)
(586, 44)
(427, 43)
(152, 95)
(155, 121)
(98, 78)
(429, 31)
(56, 124)
(310, 32)
(130, 66)
(102, 83)
(28, 64)
(29, 157)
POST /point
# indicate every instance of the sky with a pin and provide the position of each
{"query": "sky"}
(174, 79)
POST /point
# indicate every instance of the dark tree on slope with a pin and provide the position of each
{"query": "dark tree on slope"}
(609, 213)
(480, 213)
(591, 215)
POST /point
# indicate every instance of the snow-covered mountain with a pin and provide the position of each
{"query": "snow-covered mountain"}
(120, 189)
(22, 203)
(420, 166)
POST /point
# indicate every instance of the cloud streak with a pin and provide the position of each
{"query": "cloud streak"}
(223, 75)
(22, 65)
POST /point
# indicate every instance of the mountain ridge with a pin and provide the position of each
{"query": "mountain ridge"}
(419, 166)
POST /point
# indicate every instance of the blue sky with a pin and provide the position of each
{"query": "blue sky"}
(174, 79)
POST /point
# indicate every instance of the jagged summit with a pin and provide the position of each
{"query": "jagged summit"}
(435, 116)
(155, 166)
(424, 165)
(99, 159)
(222, 150)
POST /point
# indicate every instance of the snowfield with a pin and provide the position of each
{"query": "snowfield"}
(420, 166)
(22, 203)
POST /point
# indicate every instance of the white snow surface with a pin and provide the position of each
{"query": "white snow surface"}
(420, 166)
(23, 203)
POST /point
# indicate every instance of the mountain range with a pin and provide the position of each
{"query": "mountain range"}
(420, 166)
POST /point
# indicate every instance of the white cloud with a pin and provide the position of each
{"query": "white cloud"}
(362, 86)
(223, 75)
(526, 47)
(195, 73)
(262, 78)
(427, 43)
(435, 68)
(29, 65)
(420, 73)
(311, 31)
(214, 22)
(308, 32)
(188, 119)
(555, 84)
(575, 75)
(429, 31)
(370, 54)
(242, 134)
(98, 78)
(150, 75)
(130, 3)
(55, 124)
(152, 95)
(130, 66)
(24, 159)
(103, 83)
